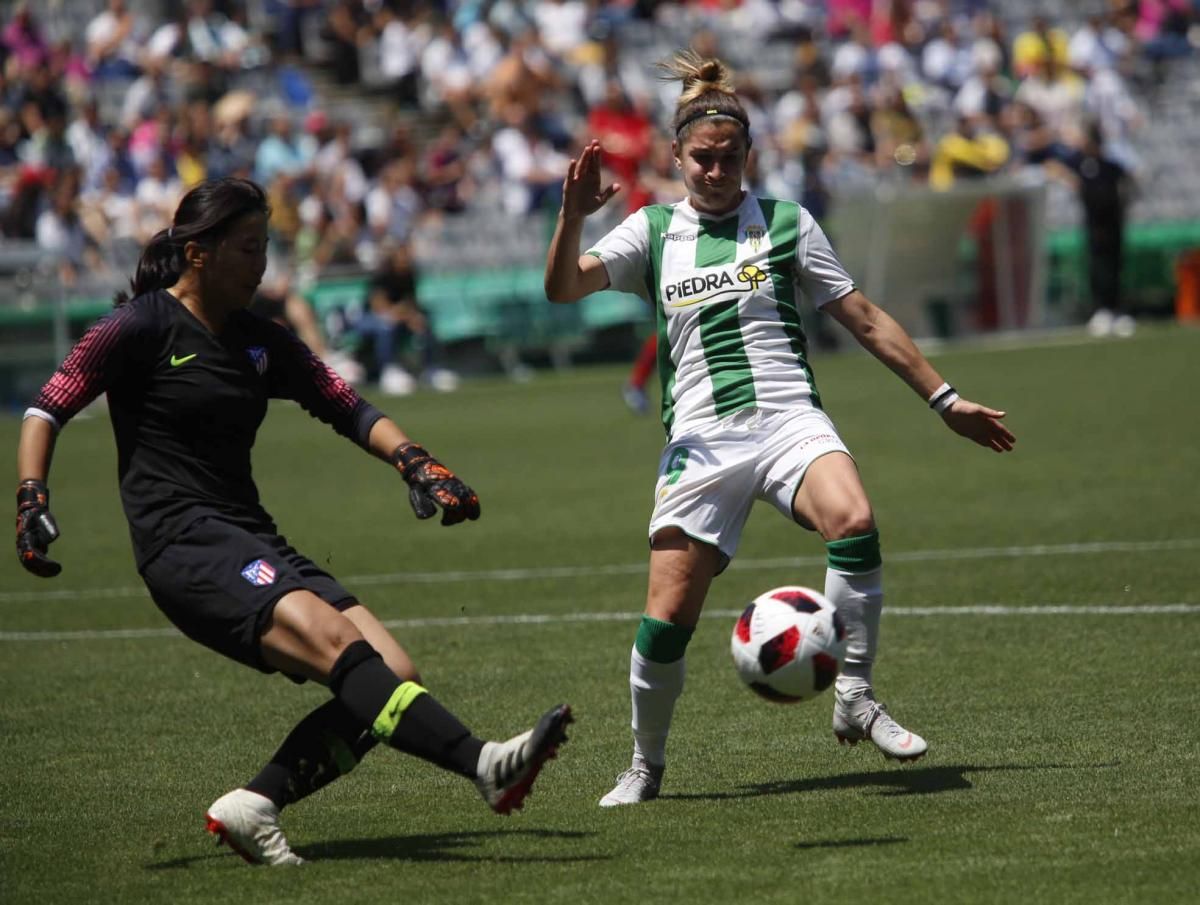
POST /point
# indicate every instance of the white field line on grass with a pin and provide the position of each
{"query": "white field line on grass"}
(555, 572)
(981, 609)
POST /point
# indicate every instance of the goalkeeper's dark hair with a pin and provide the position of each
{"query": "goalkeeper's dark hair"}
(206, 215)
(708, 92)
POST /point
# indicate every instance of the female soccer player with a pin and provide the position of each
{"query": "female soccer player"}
(743, 417)
(188, 372)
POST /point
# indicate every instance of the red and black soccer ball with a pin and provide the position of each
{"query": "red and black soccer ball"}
(789, 644)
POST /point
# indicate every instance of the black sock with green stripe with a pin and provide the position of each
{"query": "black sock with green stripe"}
(402, 715)
(326, 744)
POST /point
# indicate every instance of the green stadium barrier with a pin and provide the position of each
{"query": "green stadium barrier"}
(507, 308)
(77, 310)
(504, 306)
(606, 309)
(1148, 270)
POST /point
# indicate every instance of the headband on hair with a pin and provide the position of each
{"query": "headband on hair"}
(713, 111)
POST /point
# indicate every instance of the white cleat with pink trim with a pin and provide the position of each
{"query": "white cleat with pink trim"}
(249, 824)
(864, 718)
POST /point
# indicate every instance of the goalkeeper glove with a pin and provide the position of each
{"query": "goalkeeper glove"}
(36, 529)
(432, 484)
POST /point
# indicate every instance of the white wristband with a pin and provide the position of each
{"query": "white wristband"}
(942, 398)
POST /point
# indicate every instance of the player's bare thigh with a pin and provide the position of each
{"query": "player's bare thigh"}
(681, 570)
(832, 500)
(395, 656)
(306, 635)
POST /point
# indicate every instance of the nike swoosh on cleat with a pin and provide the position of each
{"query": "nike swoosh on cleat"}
(176, 362)
(907, 743)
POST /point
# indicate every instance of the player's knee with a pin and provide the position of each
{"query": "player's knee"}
(853, 522)
(355, 654)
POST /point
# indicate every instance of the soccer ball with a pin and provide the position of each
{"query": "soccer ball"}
(789, 644)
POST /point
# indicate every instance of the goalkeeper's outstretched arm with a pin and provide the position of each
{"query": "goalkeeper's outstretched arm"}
(431, 485)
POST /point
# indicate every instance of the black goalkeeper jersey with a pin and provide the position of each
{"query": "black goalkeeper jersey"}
(186, 405)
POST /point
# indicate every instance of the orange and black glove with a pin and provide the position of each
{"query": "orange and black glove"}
(431, 484)
(36, 529)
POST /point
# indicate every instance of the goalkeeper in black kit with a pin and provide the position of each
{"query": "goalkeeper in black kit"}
(188, 371)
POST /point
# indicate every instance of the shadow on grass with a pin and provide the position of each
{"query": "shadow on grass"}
(429, 847)
(898, 781)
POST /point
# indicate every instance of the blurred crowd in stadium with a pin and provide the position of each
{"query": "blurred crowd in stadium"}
(112, 109)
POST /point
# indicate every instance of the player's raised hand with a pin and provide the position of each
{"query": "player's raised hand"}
(979, 423)
(431, 484)
(36, 529)
(582, 193)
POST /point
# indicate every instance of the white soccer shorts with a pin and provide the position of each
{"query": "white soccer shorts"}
(708, 480)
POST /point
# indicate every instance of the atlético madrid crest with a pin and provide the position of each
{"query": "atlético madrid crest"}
(259, 573)
(258, 355)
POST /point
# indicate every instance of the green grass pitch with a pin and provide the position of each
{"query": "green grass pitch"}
(1061, 741)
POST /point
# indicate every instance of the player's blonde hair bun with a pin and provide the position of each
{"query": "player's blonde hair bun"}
(699, 75)
(707, 92)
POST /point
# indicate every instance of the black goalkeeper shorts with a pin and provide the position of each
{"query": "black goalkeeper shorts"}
(219, 584)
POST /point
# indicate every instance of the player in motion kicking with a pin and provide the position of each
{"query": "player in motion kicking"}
(723, 270)
(188, 372)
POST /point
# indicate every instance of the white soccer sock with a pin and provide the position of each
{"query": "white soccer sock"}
(859, 598)
(654, 687)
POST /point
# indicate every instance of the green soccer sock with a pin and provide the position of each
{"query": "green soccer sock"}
(656, 676)
(662, 642)
(854, 584)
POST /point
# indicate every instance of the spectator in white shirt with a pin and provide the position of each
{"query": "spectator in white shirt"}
(337, 155)
(399, 47)
(158, 193)
(446, 73)
(394, 203)
(113, 42)
(89, 143)
(59, 232)
(562, 25)
(529, 164)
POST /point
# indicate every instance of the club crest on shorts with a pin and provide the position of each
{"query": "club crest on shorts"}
(259, 573)
(258, 356)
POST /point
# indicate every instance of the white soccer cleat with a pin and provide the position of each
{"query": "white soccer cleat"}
(635, 398)
(249, 824)
(441, 380)
(639, 783)
(506, 770)
(1100, 323)
(395, 381)
(346, 367)
(865, 718)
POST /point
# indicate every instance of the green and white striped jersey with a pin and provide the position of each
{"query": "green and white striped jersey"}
(725, 295)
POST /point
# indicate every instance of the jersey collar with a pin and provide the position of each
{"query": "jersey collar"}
(692, 213)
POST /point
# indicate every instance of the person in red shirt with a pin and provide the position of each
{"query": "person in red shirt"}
(624, 131)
